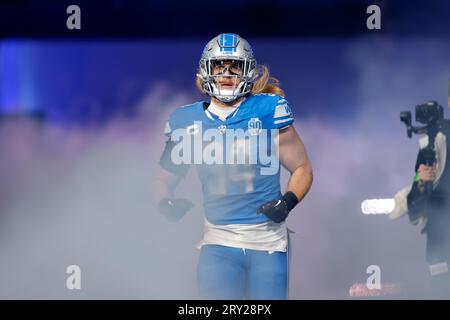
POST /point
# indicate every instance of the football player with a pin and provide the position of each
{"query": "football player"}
(244, 251)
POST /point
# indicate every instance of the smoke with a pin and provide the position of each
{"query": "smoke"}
(81, 196)
(367, 156)
(334, 242)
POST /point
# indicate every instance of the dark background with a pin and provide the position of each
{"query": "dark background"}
(196, 18)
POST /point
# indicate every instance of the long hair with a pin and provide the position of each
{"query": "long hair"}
(264, 82)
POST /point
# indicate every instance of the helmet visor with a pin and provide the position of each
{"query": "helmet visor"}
(227, 67)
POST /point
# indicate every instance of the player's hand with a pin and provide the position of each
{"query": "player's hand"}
(174, 209)
(278, 210)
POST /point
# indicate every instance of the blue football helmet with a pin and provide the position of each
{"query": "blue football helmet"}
(230, 53)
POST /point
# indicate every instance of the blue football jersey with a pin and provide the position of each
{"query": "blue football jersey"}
(236, 159)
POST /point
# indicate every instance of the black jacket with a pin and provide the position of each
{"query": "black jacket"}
(435, 207)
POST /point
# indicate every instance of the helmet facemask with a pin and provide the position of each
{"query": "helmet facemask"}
(227, 78)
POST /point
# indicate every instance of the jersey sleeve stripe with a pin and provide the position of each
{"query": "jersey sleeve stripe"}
(283, 120)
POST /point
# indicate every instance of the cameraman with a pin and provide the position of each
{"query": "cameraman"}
(433, 209)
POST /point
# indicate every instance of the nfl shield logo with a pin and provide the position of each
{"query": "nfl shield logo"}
(254, 126)
(222, 129)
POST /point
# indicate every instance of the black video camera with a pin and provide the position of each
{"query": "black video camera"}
(431, 114)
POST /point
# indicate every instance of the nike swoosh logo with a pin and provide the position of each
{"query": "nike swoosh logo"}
(279, 201)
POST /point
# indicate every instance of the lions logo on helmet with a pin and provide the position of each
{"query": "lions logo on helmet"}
(232, 48)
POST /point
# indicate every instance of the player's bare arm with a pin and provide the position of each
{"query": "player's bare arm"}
(294, 158)
(163, 189)
(164, 186)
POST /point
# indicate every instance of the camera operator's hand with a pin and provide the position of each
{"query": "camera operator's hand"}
(426, 174)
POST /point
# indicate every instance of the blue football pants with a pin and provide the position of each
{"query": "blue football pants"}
(233, 273)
